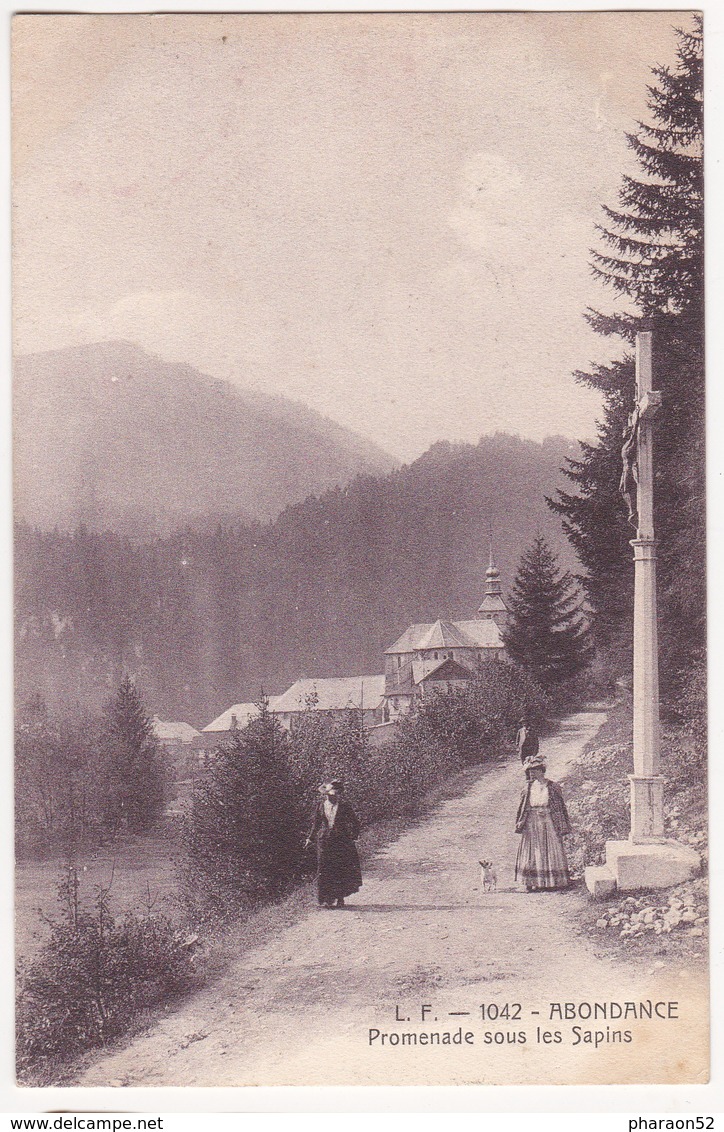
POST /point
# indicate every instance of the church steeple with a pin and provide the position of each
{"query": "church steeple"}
(492, 607)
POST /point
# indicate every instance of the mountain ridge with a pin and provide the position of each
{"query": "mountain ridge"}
(115, 438)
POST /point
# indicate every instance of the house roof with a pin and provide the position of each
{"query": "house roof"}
(333, 694)
(243, 712)
(183, 732)
(408, 641)
(448, 634)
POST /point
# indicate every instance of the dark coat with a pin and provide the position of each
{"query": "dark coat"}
(338, 867)
(526, 747)
(556, 808)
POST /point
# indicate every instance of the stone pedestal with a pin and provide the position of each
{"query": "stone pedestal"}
(600, 881)
(647, 807)
(630, 867)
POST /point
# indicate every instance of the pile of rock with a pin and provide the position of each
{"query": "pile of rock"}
(680, 828)
(684, 910)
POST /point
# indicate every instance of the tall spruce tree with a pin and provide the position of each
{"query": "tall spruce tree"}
(652, 255)
(135, 761)
(547, 634)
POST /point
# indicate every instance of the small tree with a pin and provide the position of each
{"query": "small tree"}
(244, 834)
(60, 779)
(547, 634)
(136, 767)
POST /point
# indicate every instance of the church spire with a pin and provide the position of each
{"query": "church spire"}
(492, 574)
(492, 607)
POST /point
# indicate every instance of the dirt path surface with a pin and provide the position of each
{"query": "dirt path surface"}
(310, 1005)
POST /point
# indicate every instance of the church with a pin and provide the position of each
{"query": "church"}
(442, 657)
(424, 661)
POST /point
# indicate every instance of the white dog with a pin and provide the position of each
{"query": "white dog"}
(488, 877)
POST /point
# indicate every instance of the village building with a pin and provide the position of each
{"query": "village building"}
(180, 744)
(442, 657)
(336, 697)
(174, 736)
(234, 719)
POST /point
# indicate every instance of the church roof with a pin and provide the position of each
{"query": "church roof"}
(449, 634)
(334, 694)
(445, 669)
(444, 635)
(244, 713)
(484, 634)
(492, 603)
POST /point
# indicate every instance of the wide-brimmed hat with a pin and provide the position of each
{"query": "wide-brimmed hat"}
(534, 763)
(333, 784)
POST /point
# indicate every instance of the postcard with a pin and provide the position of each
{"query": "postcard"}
(360, 535)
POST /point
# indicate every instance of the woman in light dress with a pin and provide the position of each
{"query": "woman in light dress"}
(542, 822)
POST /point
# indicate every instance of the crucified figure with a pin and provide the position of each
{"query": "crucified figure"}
(628, 484)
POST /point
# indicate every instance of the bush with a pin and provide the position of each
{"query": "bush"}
(93, 978)
(60, 781)
(326, 746)
(478, 722)
(243, 837)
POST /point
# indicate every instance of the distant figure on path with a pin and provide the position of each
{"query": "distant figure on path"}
(526, 739)
(543, 822)
(334, 831)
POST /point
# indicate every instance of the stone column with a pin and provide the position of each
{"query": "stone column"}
(647, 785)
(646, 859)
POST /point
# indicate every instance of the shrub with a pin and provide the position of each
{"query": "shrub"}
(93, 978)
(60, 781)
(243, 837)
(325, 746)
(478, 722)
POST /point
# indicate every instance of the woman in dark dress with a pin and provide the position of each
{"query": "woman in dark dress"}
(543, 823)
(334, 831)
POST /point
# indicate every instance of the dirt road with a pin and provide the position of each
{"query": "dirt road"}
(419, 952)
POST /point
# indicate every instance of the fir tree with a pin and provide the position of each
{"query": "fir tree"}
(652, 255)
(547, 634)
(136, 768)
(244, 835)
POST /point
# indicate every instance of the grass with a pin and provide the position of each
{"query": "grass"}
(140, 866)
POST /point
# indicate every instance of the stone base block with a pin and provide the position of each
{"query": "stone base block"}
(658, 865)
(600, 881)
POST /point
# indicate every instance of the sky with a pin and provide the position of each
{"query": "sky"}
(385, 216)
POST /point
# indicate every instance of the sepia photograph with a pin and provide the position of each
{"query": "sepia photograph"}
(359, 494)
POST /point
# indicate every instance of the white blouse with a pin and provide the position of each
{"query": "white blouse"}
(330, 812)
(538, 793)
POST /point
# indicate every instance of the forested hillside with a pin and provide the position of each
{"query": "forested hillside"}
(204, 620)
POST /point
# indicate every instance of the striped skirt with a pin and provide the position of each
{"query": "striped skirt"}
(541, 860)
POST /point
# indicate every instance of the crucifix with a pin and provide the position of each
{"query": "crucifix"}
(647, 859)
(647, 810)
